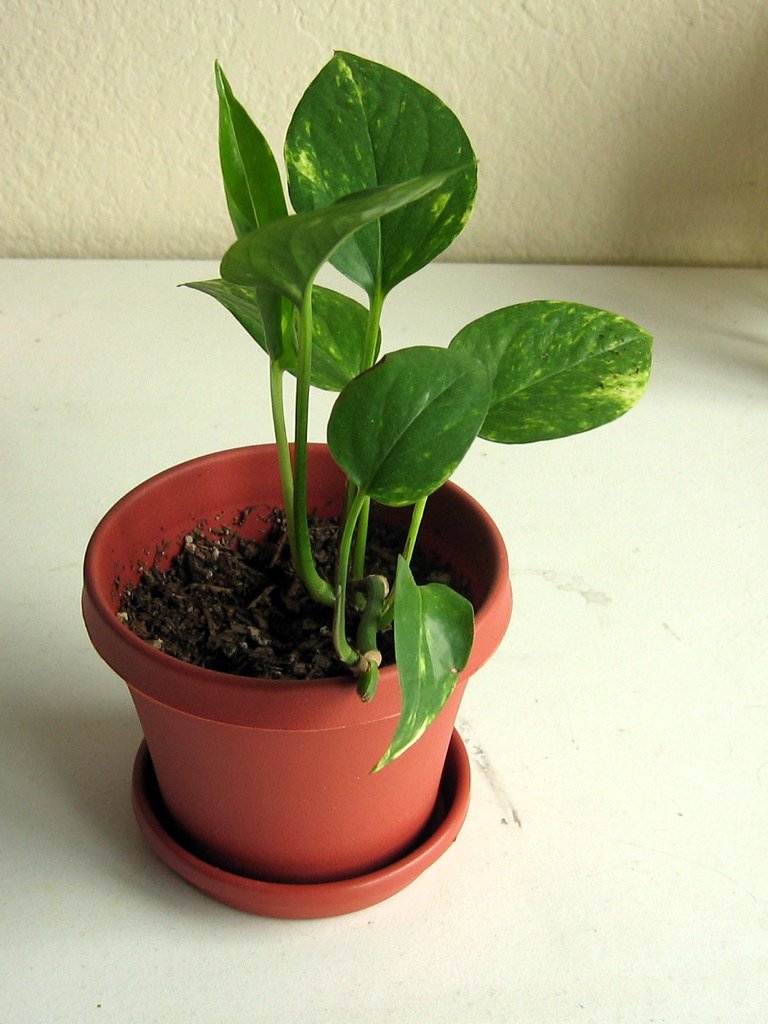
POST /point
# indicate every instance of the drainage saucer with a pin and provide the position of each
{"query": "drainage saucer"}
(300, 900)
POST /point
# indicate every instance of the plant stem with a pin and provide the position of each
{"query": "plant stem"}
(283, 450)
(376, 590)
(413, 530)
(361, 539)
(347, 654)
(367, 683)
(372, 328)
(417, 515)
(318, 588)
(369, 357)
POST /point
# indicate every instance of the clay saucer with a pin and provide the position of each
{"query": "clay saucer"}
(303, 900)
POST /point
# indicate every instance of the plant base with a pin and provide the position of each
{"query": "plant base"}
(305, 900)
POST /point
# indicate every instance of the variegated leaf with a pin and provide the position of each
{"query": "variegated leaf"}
(558, 368)
(400, 429)
(286, 255)
(434, 629)
(360, 125)
(338, 336)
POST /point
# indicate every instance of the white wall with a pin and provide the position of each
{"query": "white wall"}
(607, 130)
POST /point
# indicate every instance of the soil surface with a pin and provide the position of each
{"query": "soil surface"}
(236, 605)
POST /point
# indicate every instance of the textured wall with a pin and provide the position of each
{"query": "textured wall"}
(607, 130)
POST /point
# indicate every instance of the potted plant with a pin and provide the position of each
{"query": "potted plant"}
(312, 796)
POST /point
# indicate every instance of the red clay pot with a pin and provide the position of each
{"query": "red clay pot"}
(270, 779)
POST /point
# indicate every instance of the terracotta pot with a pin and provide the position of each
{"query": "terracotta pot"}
(271, 779)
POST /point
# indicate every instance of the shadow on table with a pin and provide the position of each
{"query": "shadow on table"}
(70, 781)
(80, 758)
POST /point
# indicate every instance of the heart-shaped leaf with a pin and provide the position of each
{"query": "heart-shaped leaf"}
(286, 255)
(558, 368)
(360, 125)
(400, 429)
(434, 628)
(338, 337)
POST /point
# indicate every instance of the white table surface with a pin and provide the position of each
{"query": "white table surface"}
(614, 863)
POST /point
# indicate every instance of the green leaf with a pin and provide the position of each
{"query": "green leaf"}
(254, 193)
(434, 629)
(400, 429)
(558, 368)
(361, 125)
(338, 339)
(244, 305)
(251, 179)
(286, 255)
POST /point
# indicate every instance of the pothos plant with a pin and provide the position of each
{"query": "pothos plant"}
(382, 178)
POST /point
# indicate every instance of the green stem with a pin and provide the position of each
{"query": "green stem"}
(343, 648)
(367, 683)
(417, 515)
(376, 590)
(361, 539)
(413, 530)
(372, 328)
(283, 449)
(318, 588)
(369, 357)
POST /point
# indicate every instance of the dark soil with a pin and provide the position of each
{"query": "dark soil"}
(235, 605)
